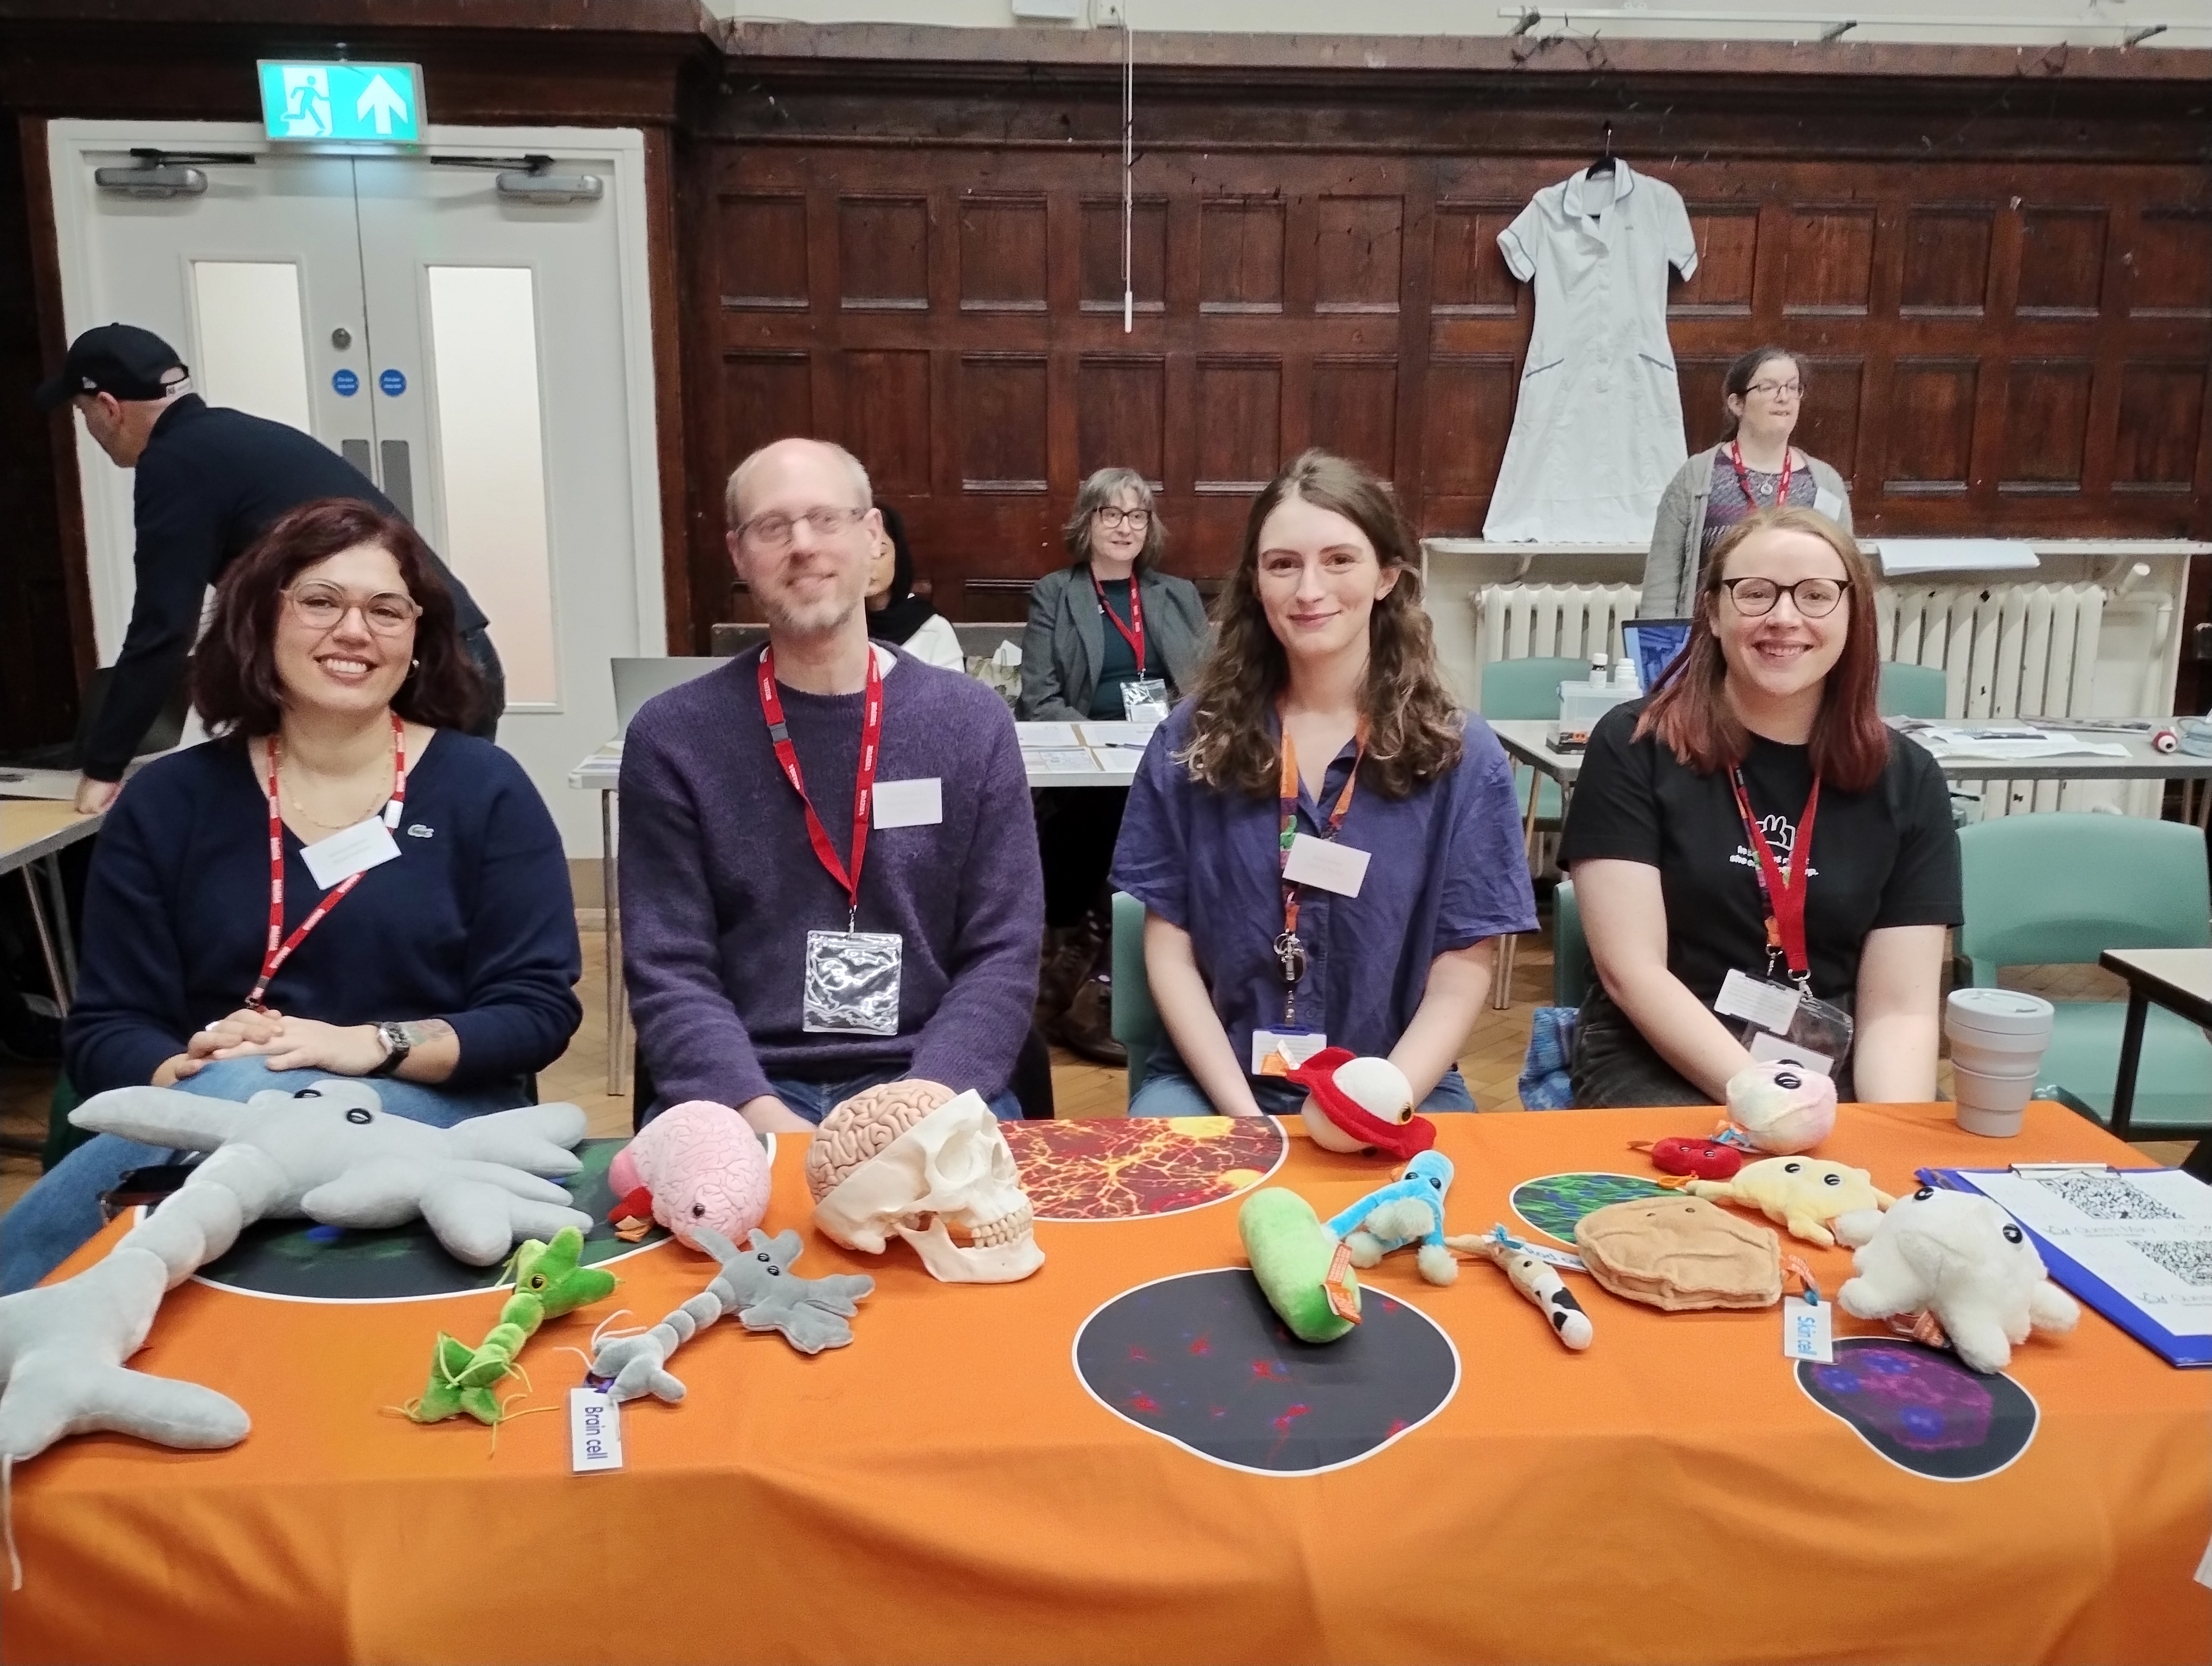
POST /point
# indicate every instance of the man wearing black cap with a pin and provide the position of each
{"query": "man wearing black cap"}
(209, 481)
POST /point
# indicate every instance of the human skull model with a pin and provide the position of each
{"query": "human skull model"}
(908, 1160)
(1377, 1086)
(1961, 1258)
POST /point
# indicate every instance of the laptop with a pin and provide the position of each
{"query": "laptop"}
(637, 681)
(1653, 645)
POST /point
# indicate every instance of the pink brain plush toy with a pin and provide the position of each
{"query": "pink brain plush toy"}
(695, 1164)
(856, 1130)
(1781, 1107)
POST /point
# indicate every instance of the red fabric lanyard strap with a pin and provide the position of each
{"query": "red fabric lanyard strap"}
(1289, 803)
(1743, 475)
(279, 948)
(864, 780)
(1133, 632)
(1782, 890)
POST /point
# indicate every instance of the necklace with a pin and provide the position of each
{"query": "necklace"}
(293, 803)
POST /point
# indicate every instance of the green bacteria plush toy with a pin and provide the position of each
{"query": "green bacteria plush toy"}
(1304, 1270)
(549, 1281)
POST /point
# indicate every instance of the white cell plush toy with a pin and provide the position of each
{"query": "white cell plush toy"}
(1360, 1104)
(1782, 1109)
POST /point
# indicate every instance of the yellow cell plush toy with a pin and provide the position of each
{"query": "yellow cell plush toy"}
(1803, 1193)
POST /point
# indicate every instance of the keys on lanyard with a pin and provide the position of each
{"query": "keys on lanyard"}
(1782, 892)
(1133, 632)
(280, 948)
(1290, 951)
(1743, 478)
(864, 780)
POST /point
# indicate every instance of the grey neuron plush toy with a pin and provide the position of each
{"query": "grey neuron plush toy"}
(331, 1153)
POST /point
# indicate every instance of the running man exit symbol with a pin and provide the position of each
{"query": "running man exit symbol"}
(380, 103)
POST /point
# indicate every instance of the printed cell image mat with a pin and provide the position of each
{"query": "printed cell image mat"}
(1553, 1203)
(1921, 1410)
(1105, 1169)
(1200, 1359)
(300, 1260)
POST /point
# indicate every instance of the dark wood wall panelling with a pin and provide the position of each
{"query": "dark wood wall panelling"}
(1995, 346)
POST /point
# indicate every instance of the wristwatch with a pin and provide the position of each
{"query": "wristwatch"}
(398, 1041)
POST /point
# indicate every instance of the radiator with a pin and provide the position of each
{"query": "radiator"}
(1540, 621)
(2009, 650)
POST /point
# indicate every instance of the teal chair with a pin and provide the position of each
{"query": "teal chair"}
(1912, 690)
(1530, 689)
(1135, 1021)
(1572, 970)
(2058, 889)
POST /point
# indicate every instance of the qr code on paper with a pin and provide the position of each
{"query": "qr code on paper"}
(2107, 1197)
(2188, 1260)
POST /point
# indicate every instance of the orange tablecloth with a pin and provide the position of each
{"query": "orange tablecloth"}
(946, 1490)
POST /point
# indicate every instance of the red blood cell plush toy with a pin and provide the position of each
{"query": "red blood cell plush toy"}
(1703, 1159)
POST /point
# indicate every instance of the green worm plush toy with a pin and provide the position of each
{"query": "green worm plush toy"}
(1304, 1269)
(548, 1282)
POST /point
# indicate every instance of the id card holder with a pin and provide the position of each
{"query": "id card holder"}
(1278, 1052)
(852, 986)
(1819, 1037)
(1145, 700)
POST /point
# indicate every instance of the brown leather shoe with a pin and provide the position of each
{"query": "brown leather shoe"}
(1069, 953)
(1086, 1028)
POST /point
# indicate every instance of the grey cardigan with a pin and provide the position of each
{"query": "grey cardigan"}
(1065, 644)
(1670, 571)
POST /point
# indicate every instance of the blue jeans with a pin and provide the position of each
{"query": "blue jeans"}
(1168, 1090)
(816, 1100)
(62, 1209)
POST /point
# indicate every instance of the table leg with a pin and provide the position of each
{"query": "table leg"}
(47, 951)
(65, 936)
(611, 923)
(2124, 1085)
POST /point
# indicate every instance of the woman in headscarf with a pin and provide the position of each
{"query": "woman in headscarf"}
(896, 614)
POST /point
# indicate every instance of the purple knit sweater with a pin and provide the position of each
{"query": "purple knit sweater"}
(719, 885)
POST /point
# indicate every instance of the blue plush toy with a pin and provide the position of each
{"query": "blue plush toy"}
(1409, 1210)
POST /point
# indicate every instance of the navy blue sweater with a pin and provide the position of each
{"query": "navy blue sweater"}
(474, 923)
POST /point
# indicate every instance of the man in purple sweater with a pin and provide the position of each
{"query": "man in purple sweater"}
(766, 972)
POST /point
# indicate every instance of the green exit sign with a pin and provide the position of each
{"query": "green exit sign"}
(381, 103)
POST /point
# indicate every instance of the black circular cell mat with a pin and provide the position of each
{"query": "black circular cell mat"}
(299, 1260)
(1921, 1409)
(1200, 1359)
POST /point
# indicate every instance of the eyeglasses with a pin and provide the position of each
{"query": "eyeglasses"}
(321, 606)
(773, 532)
(1137, 520)
(1787, 390)
(1814, 599)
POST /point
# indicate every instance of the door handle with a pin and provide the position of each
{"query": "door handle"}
(398, 478)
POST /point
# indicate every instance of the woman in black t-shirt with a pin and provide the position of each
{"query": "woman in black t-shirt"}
(1776, 691)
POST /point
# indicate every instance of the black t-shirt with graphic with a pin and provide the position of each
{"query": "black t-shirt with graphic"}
(1888, 856)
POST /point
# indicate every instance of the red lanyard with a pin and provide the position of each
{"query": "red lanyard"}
(1782, 890)
(864, 781)
(1743, 475)
(1133, 632)
(279, 949)
(1289, 951)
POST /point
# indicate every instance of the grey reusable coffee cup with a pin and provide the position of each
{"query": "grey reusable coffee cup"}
(1998, 1037)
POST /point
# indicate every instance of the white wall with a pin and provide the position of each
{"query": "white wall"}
(2084, 22)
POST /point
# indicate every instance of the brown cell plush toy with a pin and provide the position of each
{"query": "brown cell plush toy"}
(1681, 1254)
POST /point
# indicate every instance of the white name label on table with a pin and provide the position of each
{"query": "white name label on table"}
(359, 847)
(594, 1431)
(1805, 1331)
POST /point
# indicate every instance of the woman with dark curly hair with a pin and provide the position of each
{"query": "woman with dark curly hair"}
(1325, 845)
(416, 925)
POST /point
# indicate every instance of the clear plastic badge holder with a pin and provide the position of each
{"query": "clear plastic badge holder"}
(1817, 1034)
(851, 983)
(1145, 700)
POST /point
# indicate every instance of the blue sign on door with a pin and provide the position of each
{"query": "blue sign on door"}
(393, 383)
(345, 383)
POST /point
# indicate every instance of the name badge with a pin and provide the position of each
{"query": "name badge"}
(909, 803)
(1770, 1006)
(851, 983)
(1827, 503)
(364, 846)
(1278, 1052)
(1770, 1049)
(1145, 700)
(1326, 865)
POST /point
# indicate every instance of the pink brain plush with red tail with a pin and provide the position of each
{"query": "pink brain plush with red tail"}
(695, 1164)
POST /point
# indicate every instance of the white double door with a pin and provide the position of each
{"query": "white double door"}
(485, 360)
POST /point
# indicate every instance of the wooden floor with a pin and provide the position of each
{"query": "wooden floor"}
(1491, 1062)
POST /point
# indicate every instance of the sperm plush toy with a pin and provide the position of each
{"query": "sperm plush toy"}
(1409, 1210)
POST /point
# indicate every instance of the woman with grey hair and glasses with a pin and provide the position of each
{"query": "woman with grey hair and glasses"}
(1111, 637)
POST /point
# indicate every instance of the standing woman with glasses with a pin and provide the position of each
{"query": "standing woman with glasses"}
(1111, 637)
(1763, 869)
(1754, 467)
(424, 932)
